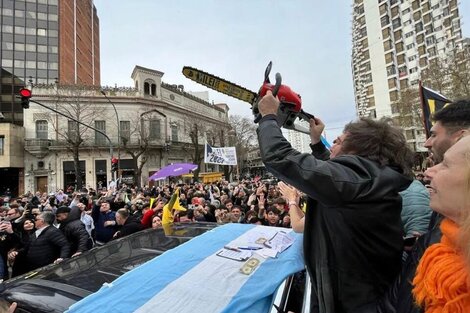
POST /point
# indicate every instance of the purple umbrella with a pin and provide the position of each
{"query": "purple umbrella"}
(175, 169)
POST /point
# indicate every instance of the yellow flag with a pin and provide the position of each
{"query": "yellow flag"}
(173, 204)
(152, 200)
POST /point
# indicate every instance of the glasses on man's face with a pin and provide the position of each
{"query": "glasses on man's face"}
(38, 219)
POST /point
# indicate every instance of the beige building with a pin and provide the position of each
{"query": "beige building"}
(11, 155)
(152, 113)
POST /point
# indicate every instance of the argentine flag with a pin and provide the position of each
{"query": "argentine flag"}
(192, 278)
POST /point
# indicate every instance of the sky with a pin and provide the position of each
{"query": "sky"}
(309, 43)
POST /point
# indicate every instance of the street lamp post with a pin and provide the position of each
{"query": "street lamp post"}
(118, 132)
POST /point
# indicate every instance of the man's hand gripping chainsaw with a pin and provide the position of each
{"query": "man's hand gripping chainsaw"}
(290, 106)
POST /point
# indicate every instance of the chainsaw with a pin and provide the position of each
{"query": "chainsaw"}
(290, 106)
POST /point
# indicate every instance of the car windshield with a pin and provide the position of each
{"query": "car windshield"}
(104, 264)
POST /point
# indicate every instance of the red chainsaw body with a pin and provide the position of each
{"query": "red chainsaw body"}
(286, 96)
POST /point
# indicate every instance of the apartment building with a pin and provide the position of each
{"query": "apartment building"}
(393, 41)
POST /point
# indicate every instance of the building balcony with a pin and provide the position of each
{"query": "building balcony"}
(37, 147)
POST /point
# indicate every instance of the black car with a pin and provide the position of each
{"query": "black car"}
(54, 288)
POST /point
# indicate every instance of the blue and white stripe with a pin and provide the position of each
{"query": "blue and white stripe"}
(191, 278)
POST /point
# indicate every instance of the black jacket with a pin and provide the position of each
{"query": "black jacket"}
(130, 226)
(353, 232)
(76, 235)
(45, 249)
(399, 298)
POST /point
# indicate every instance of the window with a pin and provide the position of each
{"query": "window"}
(389, 57)
(410, 46)
(41, 129)
(2, 145)
(399, 47)
(391, 70)
(419, 27)
(383, 9)
(174, 133)
(386, 33)
(99, 138)
(398, 35)
(72, 132)
(384, 20)
(146, 88)
(42, 32)
(125, 131)
(154, 129)
(430, 40)
(396, 23)
(416, 15)
(388, 45)
(403, 83)
(401, 59)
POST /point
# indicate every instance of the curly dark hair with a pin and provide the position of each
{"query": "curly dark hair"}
(455, 116)
(379, 141)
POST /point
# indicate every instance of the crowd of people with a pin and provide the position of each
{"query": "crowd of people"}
(40, 229)
(375, 238)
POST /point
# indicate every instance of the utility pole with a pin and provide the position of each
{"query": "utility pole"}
(118, 132)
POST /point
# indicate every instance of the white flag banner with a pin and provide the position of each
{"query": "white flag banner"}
(221, 156)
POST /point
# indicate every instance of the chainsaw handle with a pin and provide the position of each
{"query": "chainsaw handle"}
(275, 90)
(277, 85)
(268, 71)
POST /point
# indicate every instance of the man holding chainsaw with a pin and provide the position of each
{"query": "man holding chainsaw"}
(353, 232)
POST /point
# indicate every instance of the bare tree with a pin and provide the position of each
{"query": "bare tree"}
(408, 107)
(449, 75)
(244, 137)
(136, 142)
(76, 101)
(195, 131)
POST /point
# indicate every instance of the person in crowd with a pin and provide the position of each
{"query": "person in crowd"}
(104, 220)
(416, 213)
(436, 274)
(286, 221)
(236, 214)
(47, 245)
(354, 205)
(19, 266)
(87, 220)
(156, 222)
(129, 224)
(450, 124)
(280, 204)
(74, 231)
(292, 197)
(150, 213)
(202, 213)
(420, 178)
(14, 216)
(272, 217)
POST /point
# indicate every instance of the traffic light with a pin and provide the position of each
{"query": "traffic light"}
(114, 164)
(25, 96)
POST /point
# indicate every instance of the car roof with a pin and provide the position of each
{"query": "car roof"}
(56, 287)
